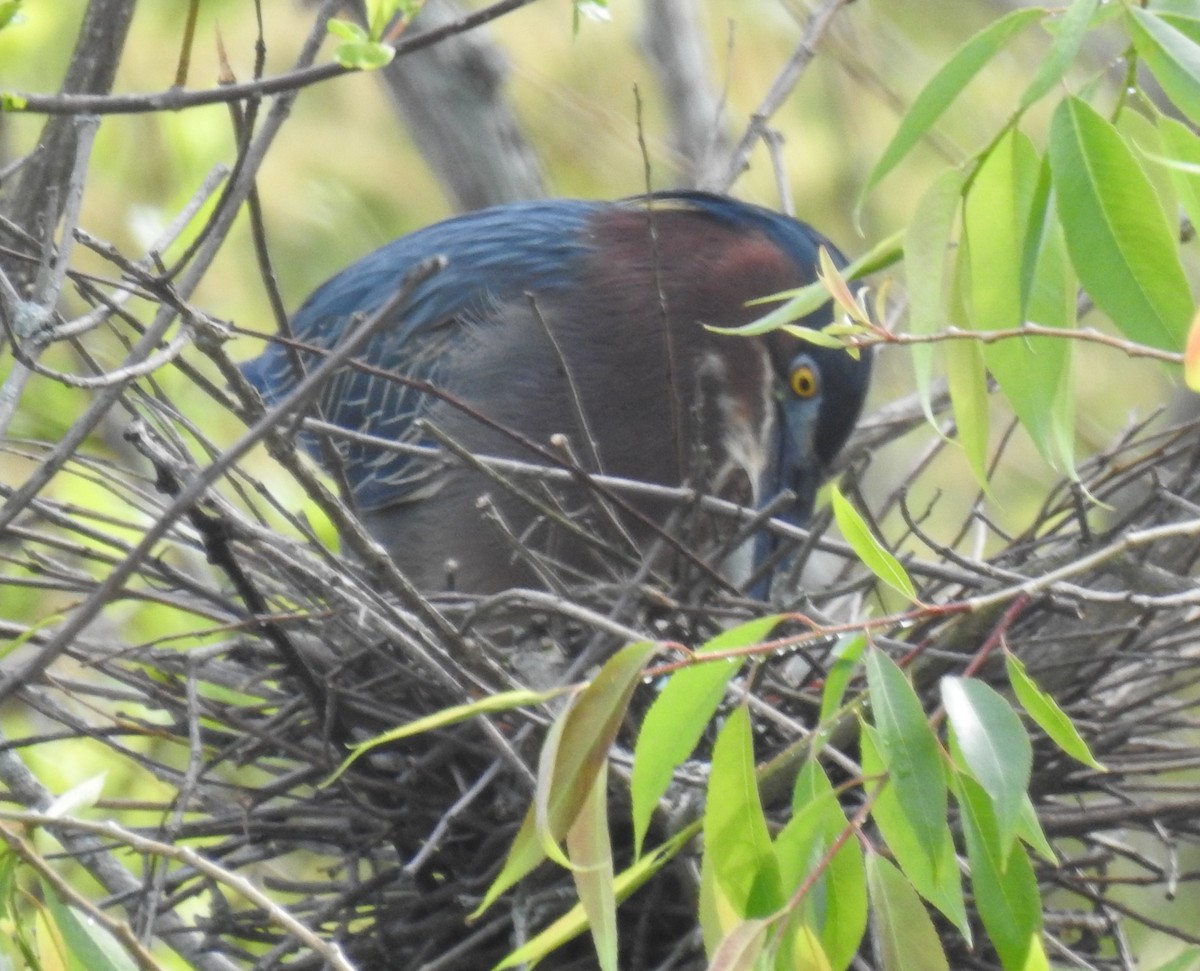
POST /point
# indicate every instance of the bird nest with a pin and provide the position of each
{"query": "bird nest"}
(226, 668)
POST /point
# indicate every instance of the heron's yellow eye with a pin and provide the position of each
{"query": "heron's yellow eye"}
(803, 381)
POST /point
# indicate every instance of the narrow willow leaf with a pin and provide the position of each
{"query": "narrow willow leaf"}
(736, 840)
(574, 922)
(1004, 252)
(836, 904)
(89, 945)
(588, 728)
(742, 948)
(910, 810)
(1051, 303)
(1045, 711)
(1031, 832)
(904, 936)
(805, 300)
(503, 701)
(1120, 241)
(1005, 886)
(807, 952)
(946, 85)
(1181, 145)
(994, 746)
(910, 750)
(966, 379)
(1068, 38)
(926, 250)
(1172, 56)
(843, 662)
(874, 555)
(933, 869)
(682, 711)
(591, 854)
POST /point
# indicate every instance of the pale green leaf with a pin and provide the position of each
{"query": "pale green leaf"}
(966, 379)
(588, 728)
(874, 555)
(742, 947)
(591, 855)
(1045, 711)
(926, 250)
(994, 745)
(1172, 56)
(574, 922)
(1005, 221)
(911, 754)
(1182, 145)
(1068, 38)
(1005, 886)
(904, 936)
(843, 662)
(736, 841)
(933, 869)
(88, 945)
(503, 701)
(835, 906)
(1118, 236)
(676, 721)
(946, 85)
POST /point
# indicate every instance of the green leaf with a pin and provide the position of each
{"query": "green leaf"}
(1003, 251)
(1045, 711)
(11, 101)
(591, 854)
(927, 245)
(736, 841)
(88, 945)
(490, 705)
(836, 905)
(1172, 56)
(844, 660)
(801, 302)
(805, 951)
(682, 711)
(874, 555)
(585, 732)
(946, 85)
(966, 379)
(742, 947)
(1181, 143)
(1051, 303)
(910, 810)
(365, 56)
(994, 747)
(347, 30)
(10, 13)
(1030, 830)
(1005, 886)
(574, 922)
(1118, 236)
(904, 936)
(1068, 38)
(911, 754)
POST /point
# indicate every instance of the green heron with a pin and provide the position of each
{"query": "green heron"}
(582, 324)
